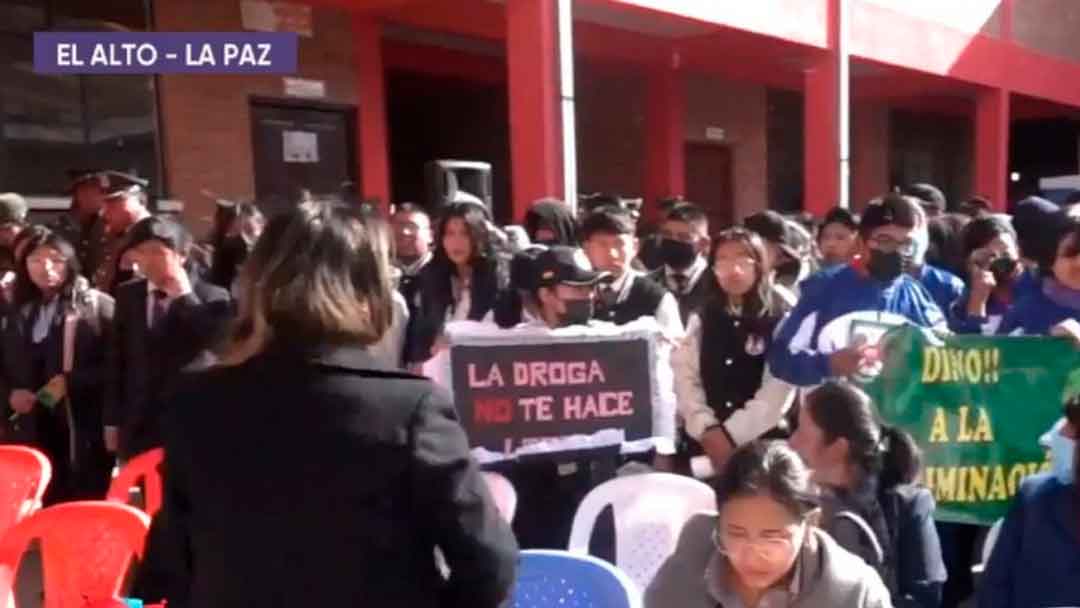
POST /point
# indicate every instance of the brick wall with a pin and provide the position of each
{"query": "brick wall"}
(1048, 26)
(206, 121)
(740, 109)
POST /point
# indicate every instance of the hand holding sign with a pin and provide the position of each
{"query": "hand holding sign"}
(848, 361)
(1069, 328)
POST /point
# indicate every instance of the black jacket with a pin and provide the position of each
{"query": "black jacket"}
(144, 361)
(436, 297)
(48, 429)
(321, 479)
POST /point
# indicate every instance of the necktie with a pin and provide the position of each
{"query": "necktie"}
(160, 306)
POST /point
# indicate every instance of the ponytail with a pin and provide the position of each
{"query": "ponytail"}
(901, 459)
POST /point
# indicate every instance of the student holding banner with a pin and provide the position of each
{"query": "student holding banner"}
(726, 395)
(821, 337)
(1036, 559)
(873, 506)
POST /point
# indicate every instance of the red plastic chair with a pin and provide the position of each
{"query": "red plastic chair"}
(144, 468)
(86, 548)
(24, 475)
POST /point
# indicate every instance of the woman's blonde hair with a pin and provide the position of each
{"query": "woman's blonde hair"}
(317, 275)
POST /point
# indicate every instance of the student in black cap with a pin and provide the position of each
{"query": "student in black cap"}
(566, 286)
(123, 205)
(165, 321)
(608, 239)
(83, 225)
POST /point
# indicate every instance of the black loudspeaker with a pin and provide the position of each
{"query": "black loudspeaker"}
(443, 179)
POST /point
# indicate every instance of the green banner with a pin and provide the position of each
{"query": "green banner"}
(976, 406)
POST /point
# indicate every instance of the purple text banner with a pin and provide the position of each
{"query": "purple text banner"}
(165, 52)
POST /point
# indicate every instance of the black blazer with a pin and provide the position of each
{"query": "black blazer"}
(86, 382)
(435, 296)
(322, 479)
(143, 361)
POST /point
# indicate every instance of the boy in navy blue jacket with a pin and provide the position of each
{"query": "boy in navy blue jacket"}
(814, 343)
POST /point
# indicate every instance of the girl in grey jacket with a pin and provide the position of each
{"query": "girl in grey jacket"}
(763, 550)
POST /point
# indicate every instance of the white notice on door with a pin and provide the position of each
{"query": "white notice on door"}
(301, 146)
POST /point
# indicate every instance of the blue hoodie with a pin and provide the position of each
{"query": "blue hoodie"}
(820, 324)
(1041, 309)
(944, 286)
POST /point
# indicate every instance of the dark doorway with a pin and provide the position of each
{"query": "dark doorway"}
(300, 147)
(434, 118)
(932, 148)
(1041, 148)
(708, 181)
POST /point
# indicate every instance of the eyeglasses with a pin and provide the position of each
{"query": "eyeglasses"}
(888, 244)
(728, 265)
(772, 549)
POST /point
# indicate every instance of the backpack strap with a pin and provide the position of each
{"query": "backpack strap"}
(868, 534)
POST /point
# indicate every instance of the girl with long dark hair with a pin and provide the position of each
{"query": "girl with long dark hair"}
(460, 283)
(993, 271)
(53, 353)
(726, 395)
(873, 507)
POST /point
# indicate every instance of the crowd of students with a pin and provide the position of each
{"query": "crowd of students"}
(107, 313)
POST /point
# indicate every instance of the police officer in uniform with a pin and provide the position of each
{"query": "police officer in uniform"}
(124, 205)
(82, 225)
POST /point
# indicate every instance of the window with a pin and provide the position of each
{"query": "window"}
(50, 124)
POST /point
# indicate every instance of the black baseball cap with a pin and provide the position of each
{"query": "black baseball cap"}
(165, 230)
(891, 209)
(772, 227)
(928, 195)
(563, 265)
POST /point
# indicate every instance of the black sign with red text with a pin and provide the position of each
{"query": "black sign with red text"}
(512, 395)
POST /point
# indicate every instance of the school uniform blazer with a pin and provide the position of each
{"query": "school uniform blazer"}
(143, 361)
(86, 382)
(320, 478)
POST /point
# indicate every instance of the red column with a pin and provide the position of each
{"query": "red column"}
(821, 188)
(992, 146)
(374, 169)
(665, 128)
(535, 118)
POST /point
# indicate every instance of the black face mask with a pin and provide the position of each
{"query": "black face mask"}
(1003, 269)
(677, 254)
(886, 267)
(578, 312)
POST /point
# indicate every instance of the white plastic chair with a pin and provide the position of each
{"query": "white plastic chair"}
(503, 493)
(650, 511)
(988, 547)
